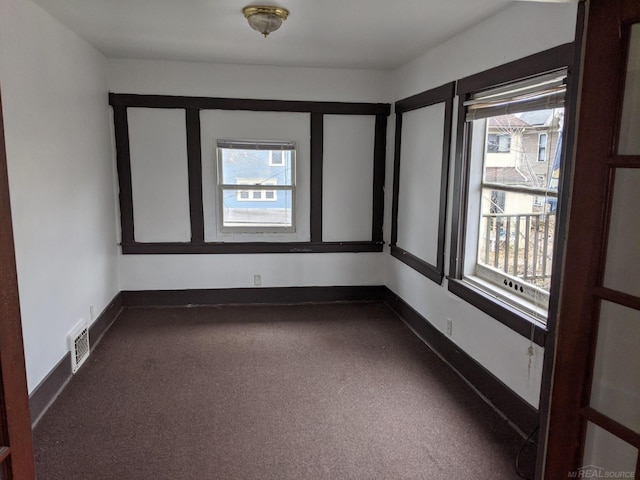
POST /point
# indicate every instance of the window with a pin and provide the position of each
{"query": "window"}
(256, 195)
(542, 147)
(510, 215)
(276, 158)
(245, 168)
(498, 143)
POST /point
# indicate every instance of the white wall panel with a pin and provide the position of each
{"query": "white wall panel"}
(158, 146)
(347, 197)
(420, 177)
(174, 272)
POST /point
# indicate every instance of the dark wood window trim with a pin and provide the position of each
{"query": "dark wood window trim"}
(250, 247)
(533, 65)
(443, 94)
(192, 106)
(194, 159)
(317, 151)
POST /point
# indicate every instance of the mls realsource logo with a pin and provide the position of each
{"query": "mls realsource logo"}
(593, 471)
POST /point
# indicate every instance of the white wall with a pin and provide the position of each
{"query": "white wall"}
(516, 32)
(139, 272)
(61, 178)
(247, 81)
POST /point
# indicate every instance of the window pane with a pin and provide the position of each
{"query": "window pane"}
(265, 200)
(253, 167)
(606, 456)
(259, 209)
(516, 227)
(516, 152)
(615, 391)
(516, 238)
(623, 249)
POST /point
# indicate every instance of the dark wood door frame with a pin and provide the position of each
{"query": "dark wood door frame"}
(16, 451)
(604, 67)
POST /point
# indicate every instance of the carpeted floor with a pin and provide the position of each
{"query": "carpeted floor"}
(323, 391)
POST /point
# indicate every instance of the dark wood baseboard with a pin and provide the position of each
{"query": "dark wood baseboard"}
(523, 415)
(105, 319)
(148, 298)
(49, 388)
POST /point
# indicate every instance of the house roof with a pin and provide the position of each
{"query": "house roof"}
(507, 121)
(536, 117)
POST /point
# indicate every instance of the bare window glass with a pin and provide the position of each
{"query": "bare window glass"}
(266, 172)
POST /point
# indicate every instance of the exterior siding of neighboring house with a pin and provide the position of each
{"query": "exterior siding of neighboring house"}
(520, 164)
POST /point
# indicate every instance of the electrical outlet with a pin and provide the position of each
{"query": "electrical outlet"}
(449, 327)
(91, 315)
(257, 279)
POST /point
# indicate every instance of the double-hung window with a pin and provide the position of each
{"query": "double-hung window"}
(506, 240)
(256, 186)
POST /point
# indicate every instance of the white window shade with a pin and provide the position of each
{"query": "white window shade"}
(538, 93)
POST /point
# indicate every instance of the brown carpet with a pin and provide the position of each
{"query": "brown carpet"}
(323, 391)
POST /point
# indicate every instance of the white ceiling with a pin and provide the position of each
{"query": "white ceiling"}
(369, 34)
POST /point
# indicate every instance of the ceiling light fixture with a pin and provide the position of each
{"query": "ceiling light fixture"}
(265, 18)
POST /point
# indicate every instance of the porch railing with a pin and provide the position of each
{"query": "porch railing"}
(520, 245)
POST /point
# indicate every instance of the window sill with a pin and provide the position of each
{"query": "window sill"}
(489, 303)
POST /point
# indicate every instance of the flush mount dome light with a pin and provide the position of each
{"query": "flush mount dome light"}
(265, 18)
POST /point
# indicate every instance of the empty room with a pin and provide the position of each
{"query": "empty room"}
(321, 239)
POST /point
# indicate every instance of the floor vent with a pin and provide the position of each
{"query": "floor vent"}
(79, 346)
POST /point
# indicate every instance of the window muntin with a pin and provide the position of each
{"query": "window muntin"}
(245, 168)
(511, 235)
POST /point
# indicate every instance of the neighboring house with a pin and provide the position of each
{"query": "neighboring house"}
(521, 149)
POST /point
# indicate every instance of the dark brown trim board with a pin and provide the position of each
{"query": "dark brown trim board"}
(317, 152)
(192, 107)
(443, 94)
(250, 247)
(379, 160)
(571, 115)
(546, 61)
(497, 394)
(425, 268)
(278, 295)
(194, 158)
(216, 103)
(49, 388)
(123, 162)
